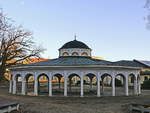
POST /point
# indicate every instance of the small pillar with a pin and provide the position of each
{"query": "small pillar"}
(102, 86)
(50, 86)
(10, 86)
(14, 86)
(23, 92)
(98, 87)
(113, 86)
(139, 86)
(126, 87)
(81, 92)
(36, 87)
(135, 86)
(65, 86)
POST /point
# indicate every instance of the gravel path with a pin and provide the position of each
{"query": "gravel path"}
(44, 104)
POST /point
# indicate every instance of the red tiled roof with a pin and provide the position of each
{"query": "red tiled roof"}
(33, 60)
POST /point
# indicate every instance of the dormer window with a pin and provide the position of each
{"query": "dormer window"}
(84, 54)
(75, 54)
(65, 54)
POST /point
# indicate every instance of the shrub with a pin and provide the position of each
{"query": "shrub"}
(146, 84)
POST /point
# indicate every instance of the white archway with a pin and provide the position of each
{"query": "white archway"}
(29, 79)
(132, 84)
(57, 84)
(90, 84)
(120, 84)
(106, 84)
(43, 84)
(74, 84)
(18, 81)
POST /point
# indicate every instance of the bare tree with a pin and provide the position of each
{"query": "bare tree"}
(147, 4)
(16, 44)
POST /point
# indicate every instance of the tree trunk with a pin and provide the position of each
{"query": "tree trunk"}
(2, 72)
(59, 79)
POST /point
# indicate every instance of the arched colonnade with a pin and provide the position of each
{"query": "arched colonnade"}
(67, 74)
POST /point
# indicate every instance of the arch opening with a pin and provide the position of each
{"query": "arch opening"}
(29, 84)
(90, 84)
(120, 85)
(131, 82)
(106, 84)
(57, 84)
(74, 82)
(43, 84)
(18, 79)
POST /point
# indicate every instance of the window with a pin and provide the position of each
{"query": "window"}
(84, 54)
(65, 54)
(75, 54)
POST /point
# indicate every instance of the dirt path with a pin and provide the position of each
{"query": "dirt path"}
(44, 104)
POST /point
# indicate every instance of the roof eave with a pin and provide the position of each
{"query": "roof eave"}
(83, 66)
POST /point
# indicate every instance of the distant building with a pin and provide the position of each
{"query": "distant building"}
(145, 71)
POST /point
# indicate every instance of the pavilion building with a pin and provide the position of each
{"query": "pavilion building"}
(75, 60)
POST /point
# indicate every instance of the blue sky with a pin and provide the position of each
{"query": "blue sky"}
(114, 29)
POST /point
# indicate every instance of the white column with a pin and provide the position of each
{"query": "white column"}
(23, 87)
(113, 86)
(14, 86)
(35, 86)
(81, 92)
(10, 86)
(102, 85)
(50, 85)
(139, 86)
(126, 86)
(98, 87)
(65, 85)
(135, 85)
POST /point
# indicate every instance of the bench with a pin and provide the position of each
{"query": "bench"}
(8, 107)
(139, 108)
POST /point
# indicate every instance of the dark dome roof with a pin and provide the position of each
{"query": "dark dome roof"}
(74, 44)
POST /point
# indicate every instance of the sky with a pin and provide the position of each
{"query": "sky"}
(114, 29)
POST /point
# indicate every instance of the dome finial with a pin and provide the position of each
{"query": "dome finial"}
(75, 37)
